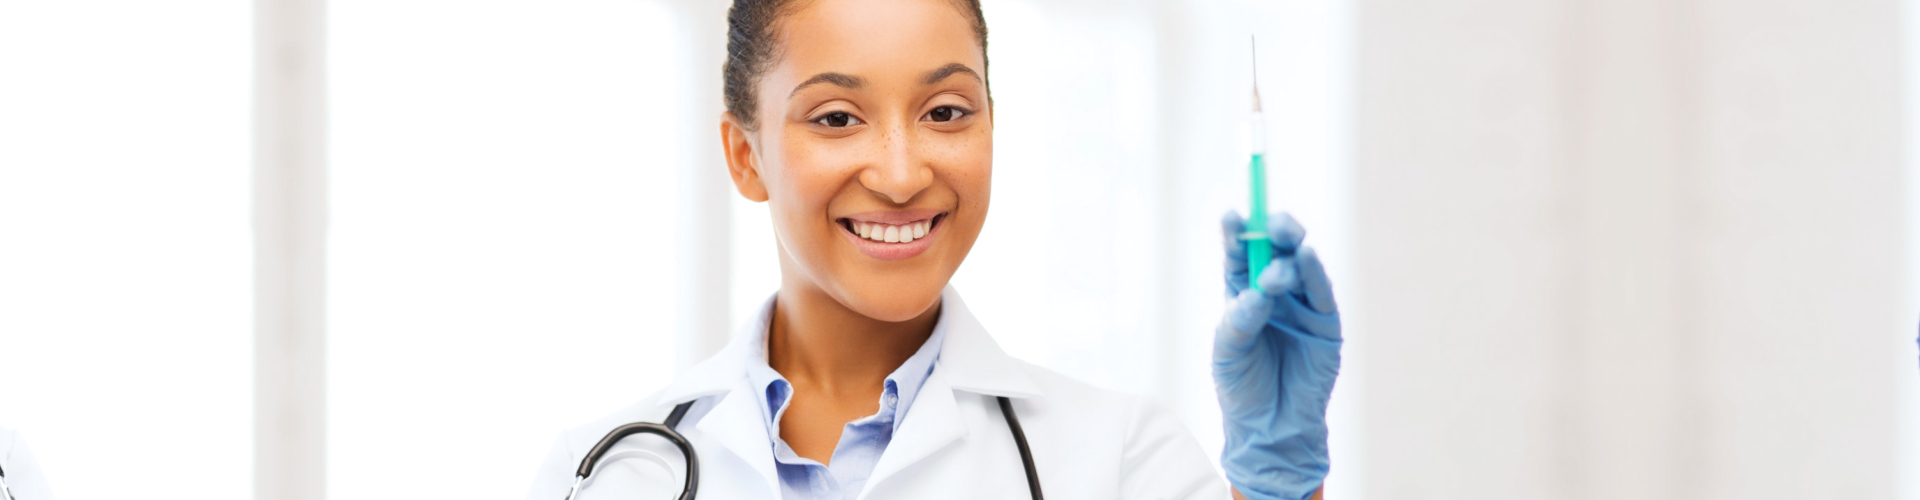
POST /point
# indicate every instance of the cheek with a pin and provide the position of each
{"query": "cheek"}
(813, 168)
(800, 188)
(969, 168)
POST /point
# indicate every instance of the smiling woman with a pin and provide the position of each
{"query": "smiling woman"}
(871, 137)
(866, 128)
(912, 127)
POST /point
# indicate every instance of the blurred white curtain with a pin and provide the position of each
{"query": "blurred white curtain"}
(502, 244)
(1909, 387)
(125, 245)
(1643, 248)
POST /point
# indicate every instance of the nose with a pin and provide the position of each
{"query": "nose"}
(899, 172)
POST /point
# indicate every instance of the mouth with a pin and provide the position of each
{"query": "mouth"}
(892, 236)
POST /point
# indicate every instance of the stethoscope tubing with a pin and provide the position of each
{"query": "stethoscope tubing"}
(1020, 441)
(666, 430)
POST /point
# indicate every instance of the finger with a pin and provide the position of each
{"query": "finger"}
(1240, 326)
(1231, 225)
(1279, 279)
(1285, 232)
(1236, 260)
(1314, 284)
(1235, 264)
(1236, 281)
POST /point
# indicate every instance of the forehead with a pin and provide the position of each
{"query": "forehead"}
(874, 39)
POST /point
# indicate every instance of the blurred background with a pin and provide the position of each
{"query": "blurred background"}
(1586, 249)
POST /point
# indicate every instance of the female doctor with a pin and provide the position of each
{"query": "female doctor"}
(867, 126)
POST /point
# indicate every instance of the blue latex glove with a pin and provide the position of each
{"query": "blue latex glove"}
(1275, 356)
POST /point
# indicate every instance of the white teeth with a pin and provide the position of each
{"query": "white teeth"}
(892, 234)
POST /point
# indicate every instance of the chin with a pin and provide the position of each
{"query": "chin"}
(892, 304)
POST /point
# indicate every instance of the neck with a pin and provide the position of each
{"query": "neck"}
(818, 343)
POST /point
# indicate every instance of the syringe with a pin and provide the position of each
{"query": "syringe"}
(1259, 246)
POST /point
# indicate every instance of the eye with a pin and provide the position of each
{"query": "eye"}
(945, 114)
(837, 120)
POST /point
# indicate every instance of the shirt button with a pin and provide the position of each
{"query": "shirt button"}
(890, 398)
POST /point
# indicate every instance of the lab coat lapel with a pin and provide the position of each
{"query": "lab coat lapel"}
(970, 365)
(736, 423)
(971, 359)
(932, 423)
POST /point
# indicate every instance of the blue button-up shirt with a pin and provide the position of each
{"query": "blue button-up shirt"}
(861, 442)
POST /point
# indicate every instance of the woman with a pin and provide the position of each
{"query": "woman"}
(867, 126)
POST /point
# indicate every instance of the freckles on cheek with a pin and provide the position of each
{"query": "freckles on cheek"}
(969, 161)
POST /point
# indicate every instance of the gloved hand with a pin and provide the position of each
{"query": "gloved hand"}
(1275, 356)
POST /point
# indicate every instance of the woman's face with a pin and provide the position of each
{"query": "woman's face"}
(874, 148)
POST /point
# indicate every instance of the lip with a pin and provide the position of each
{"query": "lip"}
(893, 251)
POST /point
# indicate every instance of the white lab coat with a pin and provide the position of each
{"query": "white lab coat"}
(953, 443)
(23, 475)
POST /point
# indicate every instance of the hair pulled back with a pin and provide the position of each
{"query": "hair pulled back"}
(752, 33)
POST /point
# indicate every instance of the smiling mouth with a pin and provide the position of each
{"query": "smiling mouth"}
(891, 233)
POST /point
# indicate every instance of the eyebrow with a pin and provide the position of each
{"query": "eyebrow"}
(937, 75)
(840, 79)
(853, 82)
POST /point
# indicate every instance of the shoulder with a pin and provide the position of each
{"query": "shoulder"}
(578, 439)
(557, 470)
(1084, 402)
(1119, 423)
(1150, 453)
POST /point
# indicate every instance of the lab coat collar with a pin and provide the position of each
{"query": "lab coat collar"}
(726, 369)
(725, 375)
(735, 422)
(970, 361)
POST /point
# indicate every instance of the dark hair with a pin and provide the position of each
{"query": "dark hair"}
(751, 31)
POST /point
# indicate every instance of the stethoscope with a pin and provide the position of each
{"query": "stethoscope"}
(665, 430)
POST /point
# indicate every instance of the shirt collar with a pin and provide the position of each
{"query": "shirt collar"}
(970, 359)
(902, 385)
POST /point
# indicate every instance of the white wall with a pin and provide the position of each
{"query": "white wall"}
(502, 257)
(124, 245)
(1631, 249)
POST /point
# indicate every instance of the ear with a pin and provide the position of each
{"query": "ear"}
(742, 164)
